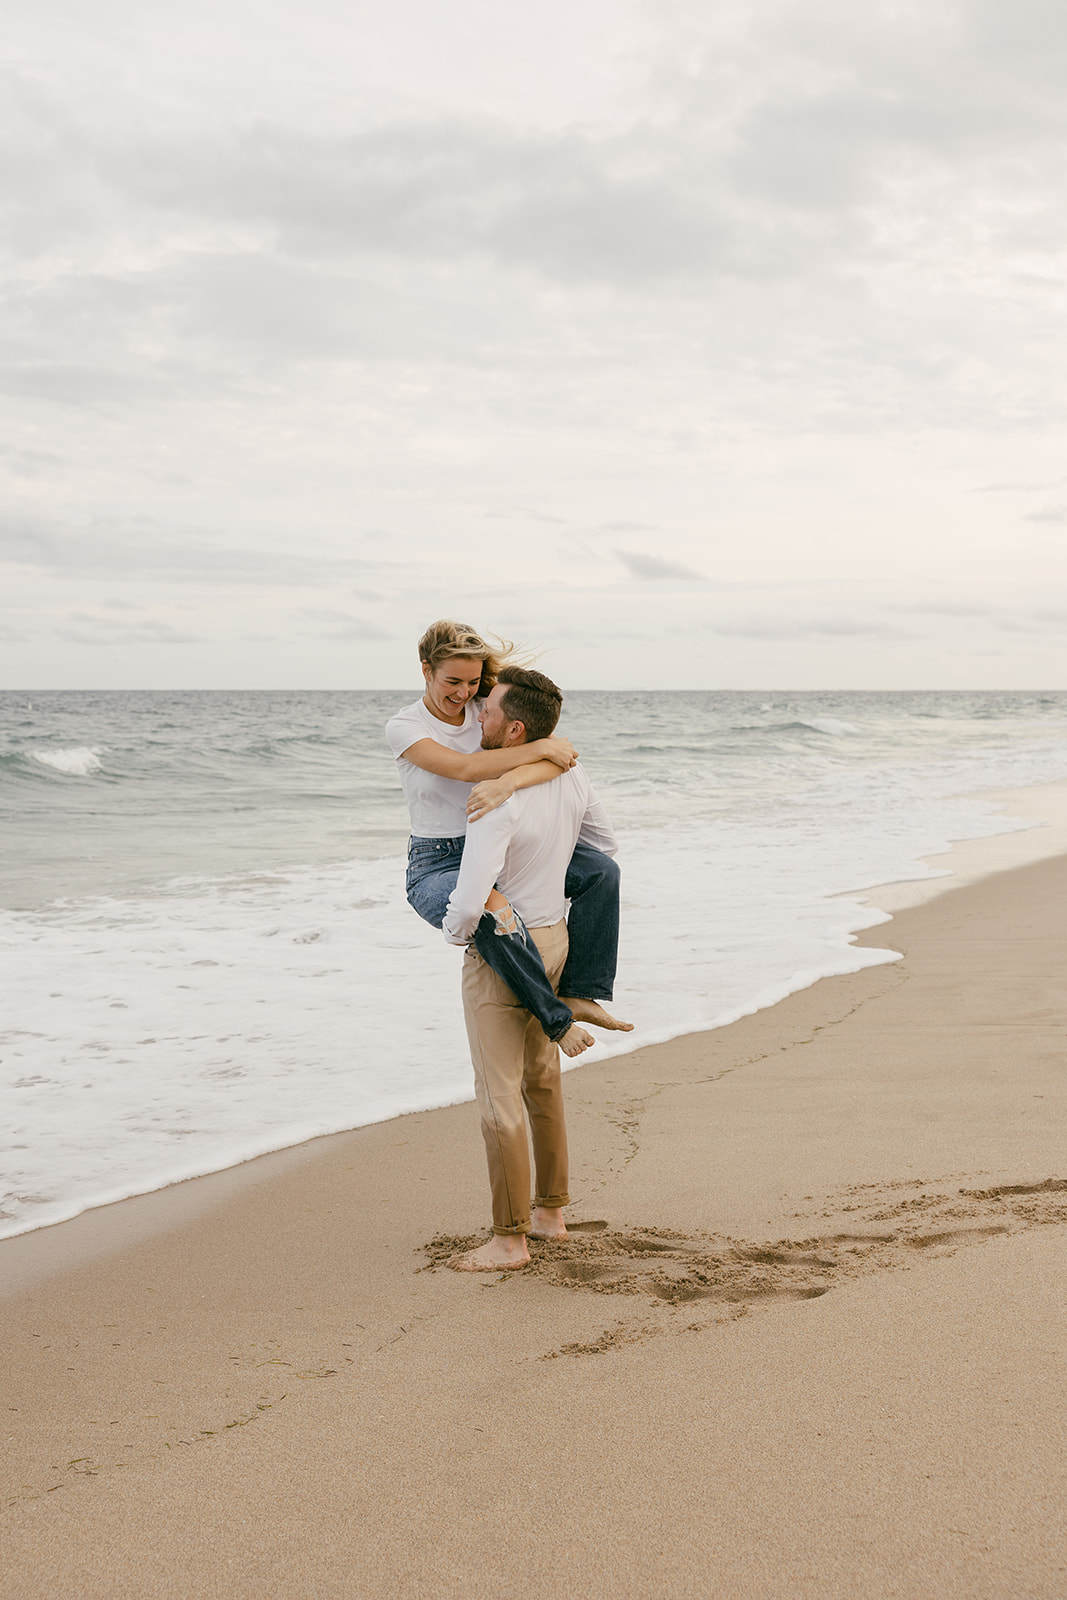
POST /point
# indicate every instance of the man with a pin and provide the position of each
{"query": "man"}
(523, 847)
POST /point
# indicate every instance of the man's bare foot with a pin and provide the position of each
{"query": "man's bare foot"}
(593, 1012)
(575, 1040)
(546, 1222)
(504, 1252)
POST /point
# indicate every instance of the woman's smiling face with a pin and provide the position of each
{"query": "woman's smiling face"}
(449, 687)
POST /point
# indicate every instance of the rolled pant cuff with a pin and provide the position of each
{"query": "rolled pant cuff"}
(552, 1202)
(519, 1227)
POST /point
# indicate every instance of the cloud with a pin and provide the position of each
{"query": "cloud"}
(943, 608)
(789, 628)
(655, 569)
(325, 623)
(793, 138)
(524, 515)
(155, 550)
(31, 463)
(775, 252)
(1016, 488)
(88, 628)
(1038, 620)
(816, 188)
(1018, 619)
(573, 205)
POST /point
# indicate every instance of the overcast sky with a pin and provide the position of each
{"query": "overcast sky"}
(692, 344)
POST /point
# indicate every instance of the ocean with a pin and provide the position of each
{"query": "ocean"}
(208, 954)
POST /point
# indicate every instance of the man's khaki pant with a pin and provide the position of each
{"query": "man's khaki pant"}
(515, 1065)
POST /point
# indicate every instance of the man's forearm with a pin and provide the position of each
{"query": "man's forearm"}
(463, 914)
(476, 766)
(481, 765)
(483, 858)
(536, 772)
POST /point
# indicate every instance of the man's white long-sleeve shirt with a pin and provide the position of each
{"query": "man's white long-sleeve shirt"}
(524, 847)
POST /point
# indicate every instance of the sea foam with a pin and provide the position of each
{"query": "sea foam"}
(78, 763)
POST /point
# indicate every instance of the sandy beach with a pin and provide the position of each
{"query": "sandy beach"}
(807, 1339)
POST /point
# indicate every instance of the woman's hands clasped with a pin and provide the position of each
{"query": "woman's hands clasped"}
(560, 751)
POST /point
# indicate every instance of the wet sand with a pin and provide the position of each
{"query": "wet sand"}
(810, 1342)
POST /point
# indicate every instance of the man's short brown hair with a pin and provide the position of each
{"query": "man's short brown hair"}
(531, 699)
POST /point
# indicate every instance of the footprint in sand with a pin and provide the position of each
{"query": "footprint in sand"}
(669, 1268)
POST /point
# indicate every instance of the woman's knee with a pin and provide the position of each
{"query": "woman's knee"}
(429, 896)
(429, 908)
(430, 883)
(593, 871)
(610, 870)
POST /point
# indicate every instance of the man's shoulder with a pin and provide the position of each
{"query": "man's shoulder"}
(575, 781)
(571, 788)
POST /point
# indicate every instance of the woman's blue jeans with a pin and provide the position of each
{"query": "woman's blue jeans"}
(592, 887)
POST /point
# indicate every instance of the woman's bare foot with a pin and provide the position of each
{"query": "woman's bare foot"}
(504, 1252)
(546, 1222)
(575, 1040)
(593, 1012)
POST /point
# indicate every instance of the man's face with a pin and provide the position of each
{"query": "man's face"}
(497, 730)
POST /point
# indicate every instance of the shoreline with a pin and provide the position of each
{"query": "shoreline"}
(1043, 806)
(818, 1327)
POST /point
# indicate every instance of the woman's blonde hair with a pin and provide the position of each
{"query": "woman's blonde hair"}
(445, 640)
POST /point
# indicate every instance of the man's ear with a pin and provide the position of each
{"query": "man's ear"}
(518, 729)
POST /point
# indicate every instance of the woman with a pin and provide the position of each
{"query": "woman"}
(437, 745)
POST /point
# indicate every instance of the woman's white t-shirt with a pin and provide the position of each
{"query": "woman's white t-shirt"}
(437, 806)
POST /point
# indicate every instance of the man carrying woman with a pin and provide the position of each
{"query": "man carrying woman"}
(437, 745)
(523, 848)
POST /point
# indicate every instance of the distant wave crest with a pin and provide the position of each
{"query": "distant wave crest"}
(828, 725)
(77, 763)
